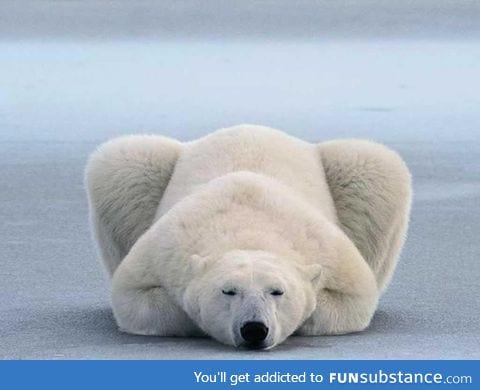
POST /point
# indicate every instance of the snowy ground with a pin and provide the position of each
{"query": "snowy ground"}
(417, 92)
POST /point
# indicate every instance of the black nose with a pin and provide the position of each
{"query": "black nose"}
(254, 332)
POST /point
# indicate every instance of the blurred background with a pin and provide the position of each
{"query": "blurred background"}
(75, 73)
(89, 70)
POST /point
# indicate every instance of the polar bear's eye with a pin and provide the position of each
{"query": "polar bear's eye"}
(277, 292)
(229, 292)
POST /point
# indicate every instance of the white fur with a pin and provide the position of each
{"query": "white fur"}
(251, 209)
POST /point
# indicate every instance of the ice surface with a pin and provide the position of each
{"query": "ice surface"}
(389, 90)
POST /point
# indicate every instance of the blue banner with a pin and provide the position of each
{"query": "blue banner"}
(298, 374)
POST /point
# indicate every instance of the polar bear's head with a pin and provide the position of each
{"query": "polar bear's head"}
(250, 298)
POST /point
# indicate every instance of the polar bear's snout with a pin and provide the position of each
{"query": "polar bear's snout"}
(254, 333)
(253, 321)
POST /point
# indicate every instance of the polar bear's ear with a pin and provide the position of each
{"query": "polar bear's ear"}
(198, 263)
(311, 271)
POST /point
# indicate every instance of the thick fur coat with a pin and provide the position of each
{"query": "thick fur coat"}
(248, 234)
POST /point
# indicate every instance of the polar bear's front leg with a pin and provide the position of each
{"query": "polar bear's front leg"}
(142, 306)
(347, 296)
(371, 188)
(126, 179)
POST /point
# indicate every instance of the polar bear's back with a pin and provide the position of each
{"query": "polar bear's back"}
(257, 149)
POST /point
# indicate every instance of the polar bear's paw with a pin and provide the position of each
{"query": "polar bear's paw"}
(151, 312)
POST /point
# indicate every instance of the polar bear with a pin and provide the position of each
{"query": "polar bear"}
(248, 235)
